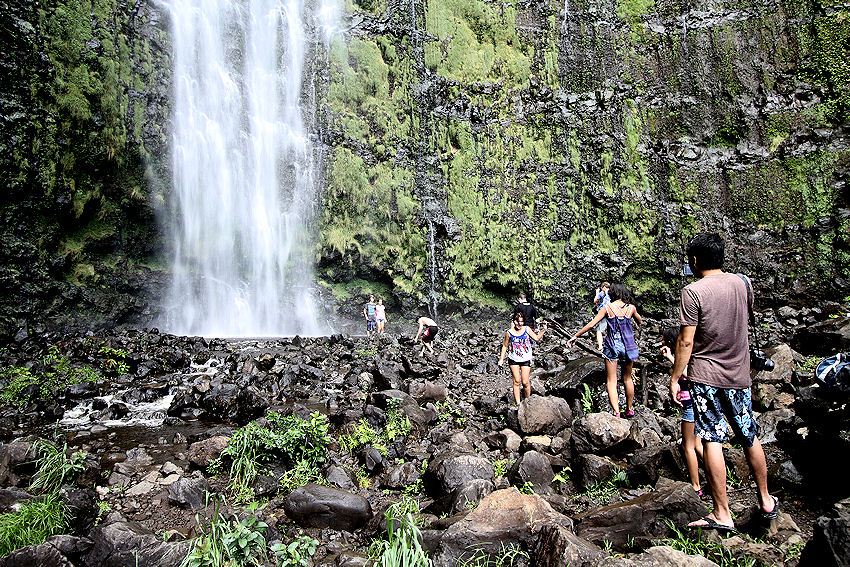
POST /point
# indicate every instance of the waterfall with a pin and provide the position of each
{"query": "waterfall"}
(244, 170)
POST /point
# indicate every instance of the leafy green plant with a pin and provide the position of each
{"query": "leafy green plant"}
(508, 556)
(500, 466)
(694, 544)
(809, 365)
(586, 400)
(33, 523)
(447, 412)
(402, 548)
(303, 442)
(297, 553)
(602, 492)
(563, 475)
(361, 435)
(54, 466)
(526, 488)
(103, 508)
(732, 478)
(363, 480)
(300, 474)
(398, 424)
(56, 374)
(228, 542)
(115, 361)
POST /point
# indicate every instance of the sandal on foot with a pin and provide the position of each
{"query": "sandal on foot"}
(630, 413)
(773, 514)
(709, 523)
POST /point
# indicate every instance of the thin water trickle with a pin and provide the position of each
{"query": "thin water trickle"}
(245, 169)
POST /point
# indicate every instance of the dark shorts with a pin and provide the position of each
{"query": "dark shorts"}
(371, 325)
(617, 352)
(519, 363)
(429, 334)
(715, 407)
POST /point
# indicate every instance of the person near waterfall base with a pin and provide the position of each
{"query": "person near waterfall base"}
(428, 329)
(691, 444)
(370, 314)
(380, 315)
(714, 347)
(619, 347)
(517, 345)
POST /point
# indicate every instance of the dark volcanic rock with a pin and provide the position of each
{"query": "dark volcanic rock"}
(123, 544)
(317, 506)
(189, 492)
(539, 414)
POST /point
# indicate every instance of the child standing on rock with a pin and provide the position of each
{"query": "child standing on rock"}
(691, 444)
(518, 340)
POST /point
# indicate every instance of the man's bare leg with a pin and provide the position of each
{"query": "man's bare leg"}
(758, 466)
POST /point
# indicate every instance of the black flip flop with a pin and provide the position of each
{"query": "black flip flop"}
(712, 524)
(773, 514)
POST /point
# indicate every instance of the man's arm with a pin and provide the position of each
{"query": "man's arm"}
(419, 330)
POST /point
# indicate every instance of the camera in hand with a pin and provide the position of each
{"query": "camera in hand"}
(760, 361)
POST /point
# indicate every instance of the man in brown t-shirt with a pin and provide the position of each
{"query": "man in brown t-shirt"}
(713, 346)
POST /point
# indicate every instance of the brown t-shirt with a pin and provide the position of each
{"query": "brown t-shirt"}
(717, 306)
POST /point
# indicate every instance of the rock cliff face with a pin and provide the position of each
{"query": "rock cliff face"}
(481, 147)
(474, 149)
(83, 147)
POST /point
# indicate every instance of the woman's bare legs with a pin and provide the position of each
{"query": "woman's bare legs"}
(526, 384)
(629, 385)
(517, 376)
(611, 385)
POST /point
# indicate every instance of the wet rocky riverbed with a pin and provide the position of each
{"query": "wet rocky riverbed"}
(559, 479)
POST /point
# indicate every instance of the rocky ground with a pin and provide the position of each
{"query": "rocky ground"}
(556, 481)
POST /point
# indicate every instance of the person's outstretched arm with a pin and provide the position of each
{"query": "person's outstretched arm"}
(599, 315)
(536, 336)
(504, 348)
(684, 348)
(419, 331)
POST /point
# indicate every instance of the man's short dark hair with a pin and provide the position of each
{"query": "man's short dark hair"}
(521, 296)
(708, 249)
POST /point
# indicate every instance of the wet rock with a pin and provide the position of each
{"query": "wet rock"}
(830, 543)
(13, 458)
(450, 470)
(202, 453)
(231, 403)
(388, 374)
(594, 469)
(587, 369)
(372, 459)
(337, 476)
(138, 460)
(81, 391)
(120, 544)
(505, 439)
(400, 477)
(599, 432)
(823, 338)
(323, 507)
(11, 498)
(643, 518)
(189, 493)
(532, 467)
(661, 556)
(546, 415)
(558, 546)
(501, 519)
(468, 495)
(82, 506)
(57, 551)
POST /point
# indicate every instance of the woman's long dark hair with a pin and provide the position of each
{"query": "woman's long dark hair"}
(620, 291)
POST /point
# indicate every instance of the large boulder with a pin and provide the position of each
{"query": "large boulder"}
(232, 403)
(830, 543)
(189, 493)
(504, 518)
(57, 551)
(564, 382)
(122, 544)
(532, 467)
(317, 506)
(643, 518)
(661, 556)
(546, 415)
(12, 457)
(599, 432)
(450, 470)
(138, 460)
(203, 452)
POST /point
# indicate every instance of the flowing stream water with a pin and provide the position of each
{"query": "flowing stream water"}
(245, 168)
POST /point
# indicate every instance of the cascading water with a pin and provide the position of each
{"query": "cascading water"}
(244, 170)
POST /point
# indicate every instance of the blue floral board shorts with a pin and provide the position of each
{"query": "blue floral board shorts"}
(715, 407)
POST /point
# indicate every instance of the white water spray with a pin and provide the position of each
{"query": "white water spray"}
(244, 170)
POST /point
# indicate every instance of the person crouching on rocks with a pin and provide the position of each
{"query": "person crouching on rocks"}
(619, 347)
(517, 346)
(428, 329)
